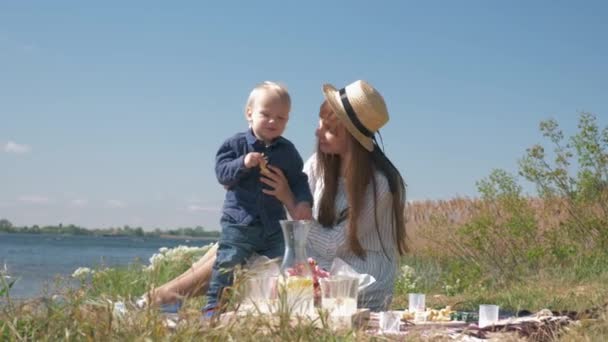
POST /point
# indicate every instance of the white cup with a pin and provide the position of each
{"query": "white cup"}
(260, 293)
(389, 321)
(488, 315)
(339, 295)
(416, 302)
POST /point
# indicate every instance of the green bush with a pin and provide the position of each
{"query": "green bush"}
(502, 239)
(575, 182)
(510, 235)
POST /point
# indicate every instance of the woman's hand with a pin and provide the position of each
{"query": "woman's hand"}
(302, 211)
(275, 179)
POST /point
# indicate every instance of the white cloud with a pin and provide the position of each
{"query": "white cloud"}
(115, 203)
(34, 199)
(197, 208)
(13, 147)
(79, 203)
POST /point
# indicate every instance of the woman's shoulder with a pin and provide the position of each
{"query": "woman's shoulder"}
(310, 166)
(381, 182)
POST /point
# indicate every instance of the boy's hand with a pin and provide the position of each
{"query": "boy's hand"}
(252, 159)
(303, 211)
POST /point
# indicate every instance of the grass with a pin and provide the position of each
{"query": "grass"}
(85, 312)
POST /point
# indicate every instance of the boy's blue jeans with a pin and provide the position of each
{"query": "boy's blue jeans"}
(236, 244)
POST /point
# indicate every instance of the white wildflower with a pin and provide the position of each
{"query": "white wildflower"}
(407, 280)
(452, 289)
(4, 272)
(82, 272)
(168, 256)
(407, 271)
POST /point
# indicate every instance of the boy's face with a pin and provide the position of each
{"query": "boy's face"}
(268, 116)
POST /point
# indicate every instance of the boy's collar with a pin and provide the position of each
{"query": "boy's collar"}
(252, 139)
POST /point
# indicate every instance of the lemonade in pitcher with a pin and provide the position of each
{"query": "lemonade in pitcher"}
(297, 281)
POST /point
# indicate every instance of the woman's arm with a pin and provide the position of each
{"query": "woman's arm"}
(375, 223)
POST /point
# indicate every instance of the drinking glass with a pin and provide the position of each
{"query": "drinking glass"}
(488, 315)
(339, 295)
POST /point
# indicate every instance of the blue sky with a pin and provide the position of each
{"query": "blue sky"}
(111, 113)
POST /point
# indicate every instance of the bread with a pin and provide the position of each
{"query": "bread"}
(264, 164)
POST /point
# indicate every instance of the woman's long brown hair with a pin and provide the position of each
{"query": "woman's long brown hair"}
(360, 173)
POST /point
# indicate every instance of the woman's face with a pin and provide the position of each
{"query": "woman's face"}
(331, 133)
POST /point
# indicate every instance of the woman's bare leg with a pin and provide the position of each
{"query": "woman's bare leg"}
(192, 282)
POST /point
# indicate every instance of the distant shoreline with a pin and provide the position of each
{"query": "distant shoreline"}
(160, 236)
(184, 233)
(175, 237)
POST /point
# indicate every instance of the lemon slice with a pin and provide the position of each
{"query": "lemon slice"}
(299, 283)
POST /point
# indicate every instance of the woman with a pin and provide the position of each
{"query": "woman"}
(358, 193)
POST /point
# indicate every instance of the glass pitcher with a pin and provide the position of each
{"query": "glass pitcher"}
(296, 272)
(295, 260)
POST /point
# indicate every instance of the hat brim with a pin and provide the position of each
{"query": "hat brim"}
(333, 98)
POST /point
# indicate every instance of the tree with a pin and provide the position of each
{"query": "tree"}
(6, 225)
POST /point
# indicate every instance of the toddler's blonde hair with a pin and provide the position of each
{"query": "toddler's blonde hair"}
(277, 89)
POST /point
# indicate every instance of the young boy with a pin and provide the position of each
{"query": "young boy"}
(250, 218)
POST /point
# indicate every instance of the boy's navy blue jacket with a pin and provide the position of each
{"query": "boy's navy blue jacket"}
(245, 203)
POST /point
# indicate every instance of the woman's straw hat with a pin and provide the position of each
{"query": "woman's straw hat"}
(360, 107)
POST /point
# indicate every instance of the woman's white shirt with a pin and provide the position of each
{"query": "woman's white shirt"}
(382, 257)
